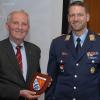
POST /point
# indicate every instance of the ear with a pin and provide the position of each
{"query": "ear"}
(7, 25)
(88, 17)
(68, 18)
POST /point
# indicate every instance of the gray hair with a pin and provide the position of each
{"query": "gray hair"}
(9, 17)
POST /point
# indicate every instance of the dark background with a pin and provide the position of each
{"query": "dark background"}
(64, 17)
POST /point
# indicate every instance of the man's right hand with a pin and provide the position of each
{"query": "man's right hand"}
(29, 94)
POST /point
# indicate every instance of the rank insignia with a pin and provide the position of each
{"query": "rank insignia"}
(67, 37)
(92, 70)
(92, 54)
(92, 37)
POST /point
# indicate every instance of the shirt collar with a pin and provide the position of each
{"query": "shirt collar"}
(82, 37)
(14, 44)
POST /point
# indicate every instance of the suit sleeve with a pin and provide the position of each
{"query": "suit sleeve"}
(8, 91)
(52, 70)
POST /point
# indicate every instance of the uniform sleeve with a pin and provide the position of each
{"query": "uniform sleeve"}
(52, 71)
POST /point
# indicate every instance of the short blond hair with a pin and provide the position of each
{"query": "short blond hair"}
(79, 3)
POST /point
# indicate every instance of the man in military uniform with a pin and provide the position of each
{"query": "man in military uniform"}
(74, 60)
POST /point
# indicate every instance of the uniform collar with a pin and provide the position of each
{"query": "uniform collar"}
(82, 37)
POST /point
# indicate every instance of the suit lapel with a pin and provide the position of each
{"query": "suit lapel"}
(30, 60)
(28, 56)
(70, 46)
(12, 57)
(86, 46)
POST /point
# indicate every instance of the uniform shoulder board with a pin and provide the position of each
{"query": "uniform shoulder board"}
(61, 35)
(67, 37)
(92, 37)
(98, 34)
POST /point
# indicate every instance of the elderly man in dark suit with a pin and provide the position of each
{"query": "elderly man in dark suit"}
(14, 80)
(74, 60)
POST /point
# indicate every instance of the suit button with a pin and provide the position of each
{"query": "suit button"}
(75, 76)
(77, 64)
(74, 87)
(74, 98)
(93, 61)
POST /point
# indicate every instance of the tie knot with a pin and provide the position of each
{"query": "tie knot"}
(18, 47)
(78, 40)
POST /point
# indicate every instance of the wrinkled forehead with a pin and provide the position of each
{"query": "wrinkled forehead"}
(17, 14)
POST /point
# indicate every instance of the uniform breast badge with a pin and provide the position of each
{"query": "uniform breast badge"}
(92, 54)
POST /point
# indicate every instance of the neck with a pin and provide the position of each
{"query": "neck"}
(79, 33)
(18, 42)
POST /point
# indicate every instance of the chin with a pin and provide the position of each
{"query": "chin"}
(77, 29)
(19, 38)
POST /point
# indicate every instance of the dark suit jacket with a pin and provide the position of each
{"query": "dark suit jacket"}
(11, 78)
(74, 77)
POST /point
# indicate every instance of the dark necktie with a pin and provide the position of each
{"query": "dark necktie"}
(78, 46)
(19, 57)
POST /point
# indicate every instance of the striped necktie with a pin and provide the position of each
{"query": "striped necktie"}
(19, 57)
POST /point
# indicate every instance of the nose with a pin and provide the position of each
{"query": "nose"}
(20, 26)
(75, 17)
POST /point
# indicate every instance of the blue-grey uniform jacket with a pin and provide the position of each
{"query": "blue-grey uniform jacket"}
(74, 77)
